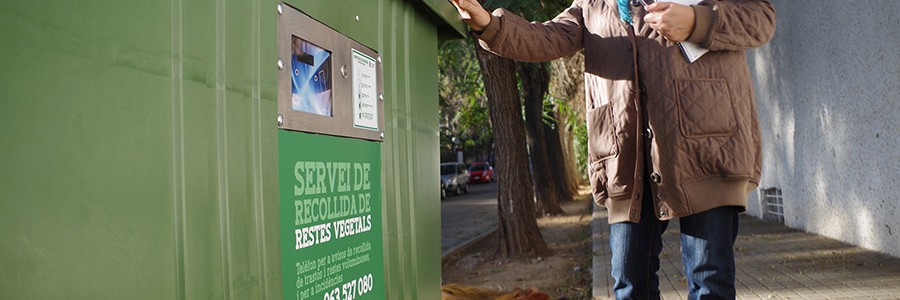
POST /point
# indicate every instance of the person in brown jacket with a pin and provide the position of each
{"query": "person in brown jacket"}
(668, 138)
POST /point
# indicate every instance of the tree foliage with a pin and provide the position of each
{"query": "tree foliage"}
(464, 112)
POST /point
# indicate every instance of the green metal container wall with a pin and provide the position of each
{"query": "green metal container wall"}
(138, 146)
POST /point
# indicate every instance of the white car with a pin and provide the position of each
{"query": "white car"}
(454, 178)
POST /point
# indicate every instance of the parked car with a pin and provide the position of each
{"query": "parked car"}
(455, 178)
(481, 172)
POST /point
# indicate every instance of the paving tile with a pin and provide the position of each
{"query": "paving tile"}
(776, 262)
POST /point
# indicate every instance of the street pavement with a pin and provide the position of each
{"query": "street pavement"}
(467, 216)
(773, 262)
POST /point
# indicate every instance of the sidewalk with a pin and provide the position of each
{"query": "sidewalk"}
(773, 262)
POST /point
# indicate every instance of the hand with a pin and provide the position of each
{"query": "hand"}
(472, 13)
(675, 22)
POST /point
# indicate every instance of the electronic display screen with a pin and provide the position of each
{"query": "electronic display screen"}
(310, 78)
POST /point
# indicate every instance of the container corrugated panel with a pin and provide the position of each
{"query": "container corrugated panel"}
(138, 147)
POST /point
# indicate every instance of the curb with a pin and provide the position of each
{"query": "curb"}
(462, 247)
(600, 273)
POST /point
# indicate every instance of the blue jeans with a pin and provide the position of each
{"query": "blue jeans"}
(707, 252)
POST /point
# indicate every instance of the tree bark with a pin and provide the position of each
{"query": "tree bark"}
(559, 173)
(518, 232)
(568, 140)
(535, 82)
(567, 85)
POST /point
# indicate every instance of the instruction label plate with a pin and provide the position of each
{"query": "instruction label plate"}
(365, 92)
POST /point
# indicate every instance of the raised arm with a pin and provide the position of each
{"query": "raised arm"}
(733, 24)
(511, 36)
(715, 24)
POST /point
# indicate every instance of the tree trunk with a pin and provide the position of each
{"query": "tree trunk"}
(567, 85)
(535, 82)
(561, 175)
(518, 232)
(571, 160)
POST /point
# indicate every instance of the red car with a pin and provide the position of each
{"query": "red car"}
(481, 172)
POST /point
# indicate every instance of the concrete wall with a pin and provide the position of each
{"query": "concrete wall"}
(827, 90)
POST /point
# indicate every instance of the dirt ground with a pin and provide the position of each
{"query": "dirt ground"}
(565, 273)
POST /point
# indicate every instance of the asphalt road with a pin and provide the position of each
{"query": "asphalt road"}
(467, 216)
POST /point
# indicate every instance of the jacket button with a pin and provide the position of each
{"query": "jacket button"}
(655, 177)
(648, 133)
(663, 213)
(633, 214)
(659, 195)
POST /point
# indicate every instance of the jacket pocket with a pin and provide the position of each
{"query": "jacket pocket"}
(598, 178)
(705, 108)
(602, 145)
(602, 141)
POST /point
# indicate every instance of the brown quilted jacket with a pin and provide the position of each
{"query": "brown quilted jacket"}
(694, 123)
